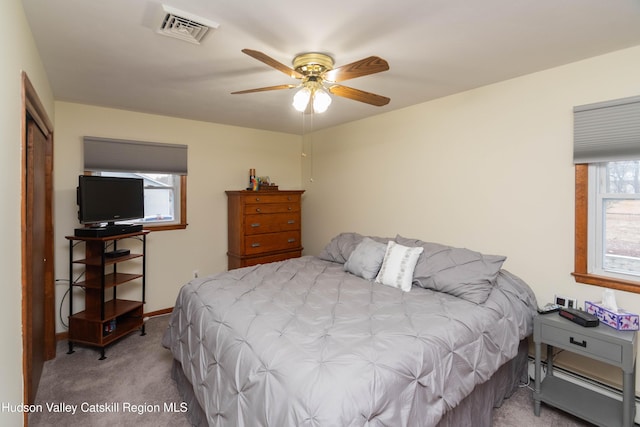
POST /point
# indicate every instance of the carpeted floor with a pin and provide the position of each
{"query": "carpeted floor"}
(133, 387)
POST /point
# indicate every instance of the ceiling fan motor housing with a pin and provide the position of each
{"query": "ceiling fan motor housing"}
(312, 64)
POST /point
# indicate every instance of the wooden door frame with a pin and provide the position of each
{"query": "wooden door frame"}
(32, 106)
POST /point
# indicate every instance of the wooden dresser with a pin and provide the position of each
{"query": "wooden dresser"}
(264, 226)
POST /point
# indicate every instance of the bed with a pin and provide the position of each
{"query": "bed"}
(324, 341)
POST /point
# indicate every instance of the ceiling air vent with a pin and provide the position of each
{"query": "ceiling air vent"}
(184, 26)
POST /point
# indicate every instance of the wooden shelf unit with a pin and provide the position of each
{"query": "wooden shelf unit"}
(104, 321)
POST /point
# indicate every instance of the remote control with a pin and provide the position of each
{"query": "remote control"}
(549, 308)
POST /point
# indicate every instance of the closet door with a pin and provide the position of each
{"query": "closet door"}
(35, 253)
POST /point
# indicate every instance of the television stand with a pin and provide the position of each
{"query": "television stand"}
(103, 320)
(107, 230)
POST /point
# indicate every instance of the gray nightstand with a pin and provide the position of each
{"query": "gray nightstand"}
(602, 343)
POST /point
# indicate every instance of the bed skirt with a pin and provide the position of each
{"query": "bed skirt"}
(476, 409)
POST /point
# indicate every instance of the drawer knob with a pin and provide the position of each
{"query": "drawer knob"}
(291, 221)
(291, 240)
(257, 199)
(258, 210)
(582, 343)
(289, 208)
(255, 224)
(255, 245)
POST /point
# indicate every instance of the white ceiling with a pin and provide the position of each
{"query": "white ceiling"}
(107, 52)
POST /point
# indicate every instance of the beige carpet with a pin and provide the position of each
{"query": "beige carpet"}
(133, 387)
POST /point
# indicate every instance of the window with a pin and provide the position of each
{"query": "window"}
(162, 166)
(607, 224)
(162, 198)
(607, 215)
(614, 218)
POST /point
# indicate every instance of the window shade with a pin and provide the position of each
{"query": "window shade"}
(607, 131)
(134, 156)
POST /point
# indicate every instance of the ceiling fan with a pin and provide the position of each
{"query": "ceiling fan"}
(317, 75)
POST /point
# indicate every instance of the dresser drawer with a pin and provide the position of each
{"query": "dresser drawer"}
(271, 223)
(578, 343)
(245, 262)
(268, 208)
(261, 199)
(269, 242)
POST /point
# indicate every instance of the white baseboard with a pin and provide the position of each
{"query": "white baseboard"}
(582, 381)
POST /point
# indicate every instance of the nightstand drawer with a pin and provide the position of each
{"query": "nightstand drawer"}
(579, 343)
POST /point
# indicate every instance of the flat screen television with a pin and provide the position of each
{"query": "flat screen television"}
(104, 199)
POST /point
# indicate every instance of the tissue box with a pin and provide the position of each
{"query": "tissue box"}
(622, 320)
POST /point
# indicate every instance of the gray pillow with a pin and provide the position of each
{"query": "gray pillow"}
(457, 271)
(366, 259)
(340, 247)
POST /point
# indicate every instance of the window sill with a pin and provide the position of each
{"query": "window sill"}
(165, 227)
(608, 282)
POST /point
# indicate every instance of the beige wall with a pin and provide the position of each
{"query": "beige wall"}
(219, 159)
(18, 53)
(489, 169)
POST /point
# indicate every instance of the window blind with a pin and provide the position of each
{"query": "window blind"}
(134, 156)
(607, 131)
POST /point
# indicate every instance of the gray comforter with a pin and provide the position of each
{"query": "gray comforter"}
(303, 342)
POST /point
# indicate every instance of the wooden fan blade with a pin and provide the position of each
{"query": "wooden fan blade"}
(364, 67)
(273, 63)
(264, 89)
(359, 95)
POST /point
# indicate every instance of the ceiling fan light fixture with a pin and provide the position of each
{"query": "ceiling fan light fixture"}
(321, 101)
(301, 99)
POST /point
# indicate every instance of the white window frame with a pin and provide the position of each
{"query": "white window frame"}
(597, 183)
(175, 202)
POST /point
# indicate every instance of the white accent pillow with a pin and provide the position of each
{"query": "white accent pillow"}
(398, 265)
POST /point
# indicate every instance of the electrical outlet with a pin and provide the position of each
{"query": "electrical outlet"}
(566, 301)
(195, 274)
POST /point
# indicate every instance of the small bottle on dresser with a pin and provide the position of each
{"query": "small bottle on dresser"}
(252, 178)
